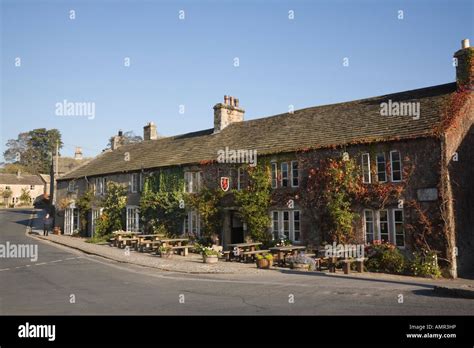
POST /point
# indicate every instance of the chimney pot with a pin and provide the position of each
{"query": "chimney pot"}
(120, 133)
(78, 153)
(149, 131)
(231, 101)
(236, 102)
(465, 43)
(224, 116)
(226, 100)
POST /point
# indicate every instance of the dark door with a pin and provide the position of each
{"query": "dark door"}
(237, 235)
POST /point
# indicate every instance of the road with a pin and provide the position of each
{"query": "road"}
(65, 281)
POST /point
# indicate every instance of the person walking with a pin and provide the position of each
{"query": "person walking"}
(47, 221)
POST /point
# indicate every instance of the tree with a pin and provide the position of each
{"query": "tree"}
(33, 150)
(114, 202)
(25, 197)
(127, 138)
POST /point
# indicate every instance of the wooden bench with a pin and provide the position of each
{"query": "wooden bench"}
(182, 249)
(147, 244)
(251, 254)
(346, 265)
(227, 255)
(127, 241)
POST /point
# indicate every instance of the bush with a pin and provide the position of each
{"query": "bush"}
(425, 264)
(385, 257)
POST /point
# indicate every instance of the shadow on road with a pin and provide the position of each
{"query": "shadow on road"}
(319, 274)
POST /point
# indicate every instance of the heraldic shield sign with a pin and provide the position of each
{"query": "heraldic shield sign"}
(225, 183)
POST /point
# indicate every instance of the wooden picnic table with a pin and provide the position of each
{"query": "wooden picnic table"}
(237, 249)
(283, 251)
(176, 244)
(146, 240)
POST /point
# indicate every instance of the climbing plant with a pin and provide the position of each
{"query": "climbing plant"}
(206, 202)
(113, 203)
(254, 201)
(163, 201)
(84, 206)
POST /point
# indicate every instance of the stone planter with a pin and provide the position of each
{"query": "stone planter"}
(264, 263)
(300, 266)
(210, 259)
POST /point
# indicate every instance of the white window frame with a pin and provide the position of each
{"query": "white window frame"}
(96, 213)
(192, 181)
(391, 165)
(394, 229)
(134, 182)
(365, 225)
(279, 224)
(192, 223)
(72, 186)
(274, 174)
(132, 219)
(384, 166)
(293, 177)
(379, 225)
(100, 186)
(69, 220)
(364, 169)
(287, 178)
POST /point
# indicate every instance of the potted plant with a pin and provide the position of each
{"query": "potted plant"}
(265, 261)
(209, 255)
(165, 251)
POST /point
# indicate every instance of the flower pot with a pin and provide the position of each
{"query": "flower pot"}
(264, 263)
(300, 266)
(57, 230)
(210, 259)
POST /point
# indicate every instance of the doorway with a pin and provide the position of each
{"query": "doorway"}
(236, 227)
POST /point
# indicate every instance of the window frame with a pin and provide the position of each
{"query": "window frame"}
(365, 225)
(292, 170)
(368, 168)
(274, 174)
(287, 177)
(391, 166)
(129, 218)
(384, 167)
(394, 228)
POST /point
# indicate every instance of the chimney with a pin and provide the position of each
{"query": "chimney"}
(78, 153)
(227, 113)
(149, 132)
(465, 66)
(117, 140)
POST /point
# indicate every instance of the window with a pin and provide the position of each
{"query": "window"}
(381, 168)
(275, 225)
(399, 231)
(72, 186)
(100, 186)
(96, 213)
(296, 225)
(369, 226)
(7, 188)
(133, 219)
(192, 223)
(294, 174)
(366, 168)
(240, 178)
(32, 187)
(192, 181)
(396, 166)
(141, 181)
(274, 175)
(71, 220)
(286, 224)
(383, 226)
(134, 182)
(284, 174)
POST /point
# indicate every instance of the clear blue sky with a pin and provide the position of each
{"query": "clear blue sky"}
(190, 61)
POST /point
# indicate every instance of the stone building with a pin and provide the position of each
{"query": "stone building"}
(424, 133)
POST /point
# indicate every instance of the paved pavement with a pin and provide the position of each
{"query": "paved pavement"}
(67, 281)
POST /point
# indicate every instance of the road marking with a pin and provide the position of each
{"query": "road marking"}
(56, 261)
(5, 269)
(42, 263)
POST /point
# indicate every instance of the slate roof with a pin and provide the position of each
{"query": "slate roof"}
(24, 179)
(67, 164)
(351, 122)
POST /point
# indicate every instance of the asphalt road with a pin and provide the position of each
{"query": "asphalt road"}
(98, 286)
